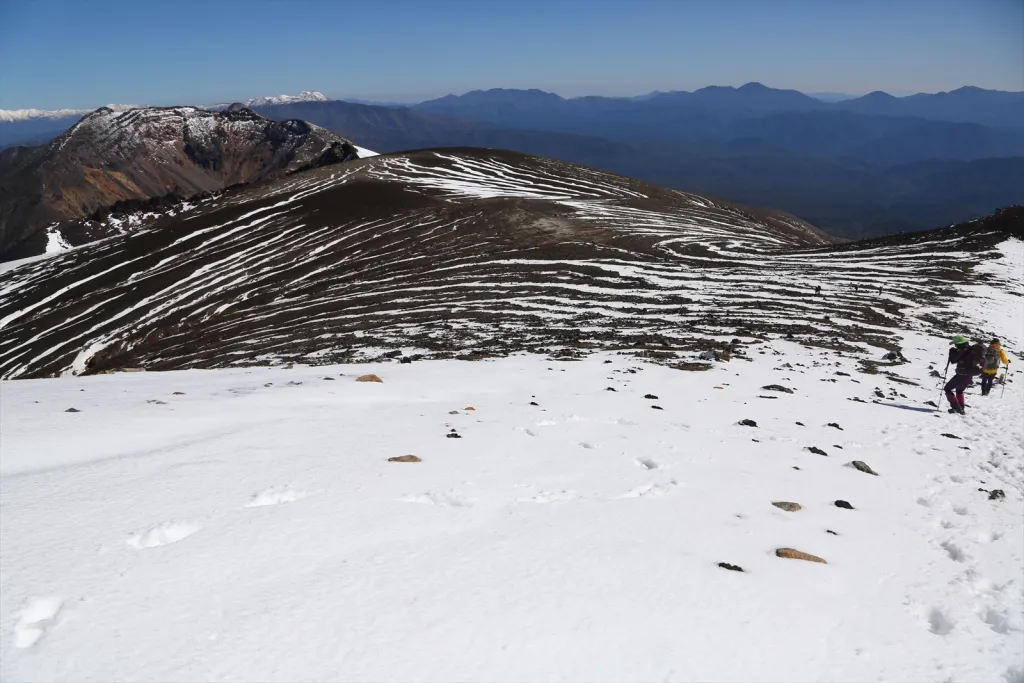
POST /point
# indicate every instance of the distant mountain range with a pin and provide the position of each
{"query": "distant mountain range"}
(856, 167)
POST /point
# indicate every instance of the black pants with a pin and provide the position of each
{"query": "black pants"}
(986, 383)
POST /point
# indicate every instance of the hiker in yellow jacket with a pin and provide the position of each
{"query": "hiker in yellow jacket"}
(994, 357)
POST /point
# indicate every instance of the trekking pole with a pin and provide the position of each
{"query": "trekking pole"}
(1003, 390)
(941, 386)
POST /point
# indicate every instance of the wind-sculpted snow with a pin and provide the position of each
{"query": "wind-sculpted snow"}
(465, 250)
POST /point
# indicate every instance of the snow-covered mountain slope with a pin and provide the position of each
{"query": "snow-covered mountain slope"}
(142, 154)
(246, 524)
(468, 251)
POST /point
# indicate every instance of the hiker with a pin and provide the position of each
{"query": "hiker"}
(994, 357)
(817, 290)
(968, 361)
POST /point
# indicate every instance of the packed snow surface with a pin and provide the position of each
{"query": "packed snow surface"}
(246, 524)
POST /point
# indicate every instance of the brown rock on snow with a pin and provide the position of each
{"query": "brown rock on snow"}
(369, 378)
(863, 467)
(792, 554)
(788, 507)
(405, 458)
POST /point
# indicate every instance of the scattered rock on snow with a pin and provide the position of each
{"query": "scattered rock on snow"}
(843, 504)
(834, 424)
(651, 397)
(329, 378)
(657, 407)
(453, 412)
(788, 507)
(747, 423)
(730, 567)
(178, 393)
(950, 436)
(996, 494)
(453, 435)
(777, 387)
(816, 450)
(829, 531)
(793, 554)
(610, 389)
(534, 403)
(72, 410)
(863, 467)
(800, 423)
(931, 403)
(369, 378)
(405, 458)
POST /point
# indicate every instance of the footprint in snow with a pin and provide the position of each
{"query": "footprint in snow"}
(551, 497)
(275, 495)
(162, 534)
(442, 499)
(939, 623)
(36, 616)
(651, 489)
(647, 463)
(954, 551)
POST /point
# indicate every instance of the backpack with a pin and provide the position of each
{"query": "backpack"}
(976, 359)
(992, 360)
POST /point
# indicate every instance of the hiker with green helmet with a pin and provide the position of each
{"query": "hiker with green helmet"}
(968, 361)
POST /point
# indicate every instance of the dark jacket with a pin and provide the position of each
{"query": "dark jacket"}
(969, 359)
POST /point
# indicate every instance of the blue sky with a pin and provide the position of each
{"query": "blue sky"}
(85, 53)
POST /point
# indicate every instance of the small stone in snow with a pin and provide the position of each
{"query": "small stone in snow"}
(369, 378)
(951, 436)
(816, 450)
(329, 378)
(72, 410)
(787, 506)
(610, 389)
(777, 387)
(730, 567)
(651, 396)
(793, 554)
(829, 531)
(747, 423)
(453, 435)
(996, 494)
(863, 467)
(405, 458)
(453, 412)
(534, 403)
(657, 407)
(843, 504)
(800, 423)
(178, 393)
(834, 424)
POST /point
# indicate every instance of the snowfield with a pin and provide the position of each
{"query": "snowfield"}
(246, 524)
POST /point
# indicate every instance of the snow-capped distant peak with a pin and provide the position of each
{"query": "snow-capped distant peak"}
(9, 115)
(304, 96)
